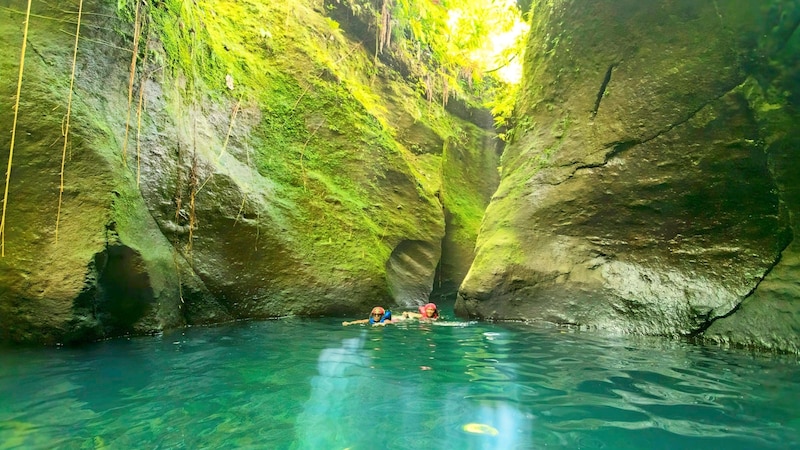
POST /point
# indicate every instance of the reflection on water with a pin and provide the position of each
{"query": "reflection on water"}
(357, 388)
(312, 384)
(333, 414)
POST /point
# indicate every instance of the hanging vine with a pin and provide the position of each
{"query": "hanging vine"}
(14, 130)
(139, 108)
(384, 26)
(65, 130)
(136, 36)
(194, 172)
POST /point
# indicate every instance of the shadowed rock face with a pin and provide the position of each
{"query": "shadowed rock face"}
(410, 271)
(647, 187)
(118, 296)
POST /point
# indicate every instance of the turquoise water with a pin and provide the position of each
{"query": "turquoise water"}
(313, 384)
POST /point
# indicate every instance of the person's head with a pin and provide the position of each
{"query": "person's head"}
(377, 314)
(429, 311)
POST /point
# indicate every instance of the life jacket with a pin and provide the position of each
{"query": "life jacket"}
(387, 315)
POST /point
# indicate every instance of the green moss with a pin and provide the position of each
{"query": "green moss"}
(469, 179)
(325, 134)
(502, 247)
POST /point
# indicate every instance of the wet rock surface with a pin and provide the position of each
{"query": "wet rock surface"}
(647, 187)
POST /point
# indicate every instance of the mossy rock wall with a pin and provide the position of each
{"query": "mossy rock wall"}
(650, 186)
(255, 168)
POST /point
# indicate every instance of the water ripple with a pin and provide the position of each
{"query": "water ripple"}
(300, 384)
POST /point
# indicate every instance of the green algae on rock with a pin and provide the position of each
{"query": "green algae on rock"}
(269, 174)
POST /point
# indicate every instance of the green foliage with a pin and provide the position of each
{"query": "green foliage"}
(462, 47)
(502, 104)
(332, 23)
(458, 33)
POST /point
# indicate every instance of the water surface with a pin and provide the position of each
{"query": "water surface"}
(313, 384)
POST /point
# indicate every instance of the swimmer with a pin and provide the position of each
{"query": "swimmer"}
(378, 316)
(428, 312)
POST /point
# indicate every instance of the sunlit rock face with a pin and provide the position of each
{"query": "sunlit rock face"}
(252, 169)
(651, 184)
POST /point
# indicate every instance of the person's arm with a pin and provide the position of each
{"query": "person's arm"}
(355, 322)
(411, 315)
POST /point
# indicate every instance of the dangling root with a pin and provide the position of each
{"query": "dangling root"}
(69, 110)
(192, 195)
(139, 115)
(193, 190)
(14, 130)
(230, 128)
(136, 33)
(241, 209)
(178, 273)
(224, 143)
